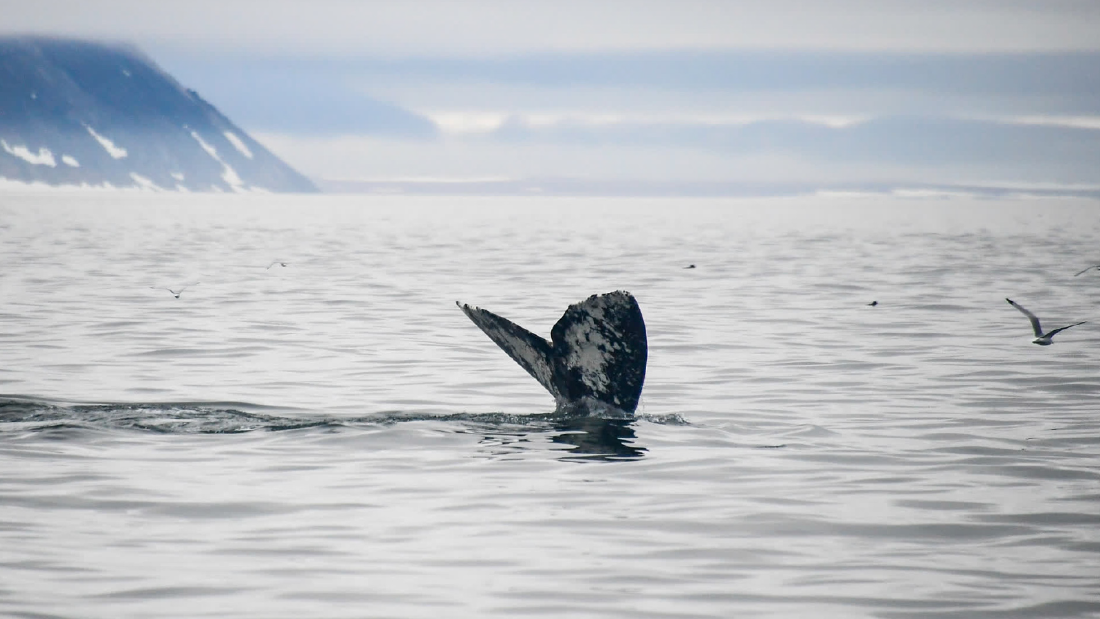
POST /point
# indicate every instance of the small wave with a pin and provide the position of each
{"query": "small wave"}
(30, 415)
(670, 419)
(17, 415)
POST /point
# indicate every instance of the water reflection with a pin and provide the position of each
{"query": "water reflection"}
(594, 438)
(584, 438)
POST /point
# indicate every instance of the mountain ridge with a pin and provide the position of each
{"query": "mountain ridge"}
(86, 113)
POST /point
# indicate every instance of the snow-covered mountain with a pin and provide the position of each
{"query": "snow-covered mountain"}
(79, 113)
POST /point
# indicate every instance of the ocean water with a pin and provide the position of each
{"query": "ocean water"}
(333, 438)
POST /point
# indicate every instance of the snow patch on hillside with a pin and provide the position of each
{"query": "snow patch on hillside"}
(229, 175)
(144, 182)
(210, 150)
(231, 178)
(18, 186)
(44, 156)
(116, 152)
(238, 144)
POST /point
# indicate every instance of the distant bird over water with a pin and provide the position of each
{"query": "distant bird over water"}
(1042, 339)
(174, 293)
(690, 266)
(1083, 271)
(873, 303)
(282, 264)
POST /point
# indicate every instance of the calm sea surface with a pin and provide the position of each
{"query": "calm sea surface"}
(333, 438)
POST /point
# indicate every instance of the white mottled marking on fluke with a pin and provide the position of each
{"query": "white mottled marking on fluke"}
(598, 350)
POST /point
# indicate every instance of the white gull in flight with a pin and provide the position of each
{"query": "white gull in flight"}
(174, 293)
(1042, 339)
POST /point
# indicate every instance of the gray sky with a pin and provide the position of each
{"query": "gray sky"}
(473, 27)
(979, 91)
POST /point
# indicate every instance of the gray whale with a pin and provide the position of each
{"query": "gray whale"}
(597, 350)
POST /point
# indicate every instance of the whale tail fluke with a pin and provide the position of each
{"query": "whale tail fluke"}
(530, 351)
(598, 350)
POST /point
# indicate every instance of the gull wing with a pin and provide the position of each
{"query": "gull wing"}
(1095, 266)
(1032, 317)
(600, 350)
(1059, 330)
(530, 351)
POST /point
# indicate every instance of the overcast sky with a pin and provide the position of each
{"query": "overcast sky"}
(689, 90)
(447, 27)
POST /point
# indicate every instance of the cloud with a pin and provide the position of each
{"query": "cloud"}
(1066, 154)
(378, 158)
(990, 74)
(902, 149)
(481, 27)
(304, 102)
(837, 83)
(708, 116)
(674, 92)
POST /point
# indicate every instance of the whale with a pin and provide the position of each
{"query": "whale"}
(597, 351)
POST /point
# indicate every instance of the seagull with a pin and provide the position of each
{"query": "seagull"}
(1095, 266)
(174, 293)
(1042, 339)
(873, 303)
(282, 264)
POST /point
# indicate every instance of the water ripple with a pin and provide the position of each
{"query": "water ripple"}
(333, 438)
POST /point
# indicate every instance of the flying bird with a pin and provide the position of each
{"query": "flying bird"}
(174, 293)
(690, 266)
(282, 264)
(1083, 271)
(873, 303)
(1042, 339)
